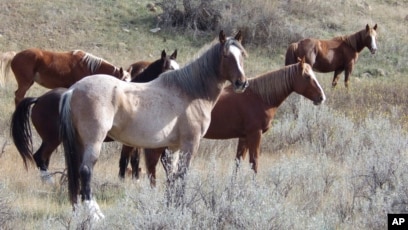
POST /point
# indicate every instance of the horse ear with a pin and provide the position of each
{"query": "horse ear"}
(121, 71)
(367, 27)
(238, 37)
(174, 55)
(163, 54)
(375, 27)
(222, 37)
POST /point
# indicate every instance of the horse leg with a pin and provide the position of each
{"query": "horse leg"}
(347, 74)
(42, 159)
(336, 77)
(152, 157)
(124, 160)
(85, 172)
(134, 162)
(178, 180)
(254, 142)
(21, 91)
(242, 150)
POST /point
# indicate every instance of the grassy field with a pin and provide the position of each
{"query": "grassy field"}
(341, 165)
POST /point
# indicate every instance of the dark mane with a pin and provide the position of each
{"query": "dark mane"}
(197, 77)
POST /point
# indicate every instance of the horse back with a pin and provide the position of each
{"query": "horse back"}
(44, 113)
(137, 68)
(50, 69)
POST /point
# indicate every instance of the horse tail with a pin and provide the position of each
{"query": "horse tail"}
(68, 136)
(5, 67)
(21, 130)
(290, 57)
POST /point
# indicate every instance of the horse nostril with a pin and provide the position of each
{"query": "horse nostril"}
(238, 83)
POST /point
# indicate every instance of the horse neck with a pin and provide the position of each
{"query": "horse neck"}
(149, 74)
(200, 79)
(356, 40)
(107, 68)
(274, 87)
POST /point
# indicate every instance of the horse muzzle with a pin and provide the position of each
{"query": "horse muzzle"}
(319, 100)
(240, 86)
(373, 50)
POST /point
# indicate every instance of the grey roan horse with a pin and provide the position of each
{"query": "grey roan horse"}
(181, 100)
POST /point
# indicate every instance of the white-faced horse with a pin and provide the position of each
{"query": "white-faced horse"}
(180, 100)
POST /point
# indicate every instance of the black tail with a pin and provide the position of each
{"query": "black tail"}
(290, 57)
(68, 137)
(21, 130)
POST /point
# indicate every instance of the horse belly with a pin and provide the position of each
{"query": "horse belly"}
(144, 133)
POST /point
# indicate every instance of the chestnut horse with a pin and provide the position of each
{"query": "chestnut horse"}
(5, 68)
(52, 69)
(231, 117)
(180, 100)
(338, 54)
(45, 116)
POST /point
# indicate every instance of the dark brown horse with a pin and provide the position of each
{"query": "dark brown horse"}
(338, 54)
(45, 117)
(248, 115)
(52, 69)
(156, 68)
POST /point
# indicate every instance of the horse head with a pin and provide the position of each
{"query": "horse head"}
(169, 62)
(370, 39)
(124, 75)
(232, 64)
(306, 83)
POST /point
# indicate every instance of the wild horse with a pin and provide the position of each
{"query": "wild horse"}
(338, 54)
(156, 68)
(57, 69)
(231, 117)
(45, 116)
(180, 100)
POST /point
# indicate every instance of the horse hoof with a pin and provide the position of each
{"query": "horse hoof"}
(93, 210)
(46, 177)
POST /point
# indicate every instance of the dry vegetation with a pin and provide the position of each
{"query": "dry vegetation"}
(342, 165)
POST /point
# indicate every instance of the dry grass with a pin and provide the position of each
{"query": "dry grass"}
(341, 165)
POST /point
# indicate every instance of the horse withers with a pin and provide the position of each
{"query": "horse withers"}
(231, 117)
(44, 115)
(338, 54)
(57, 69)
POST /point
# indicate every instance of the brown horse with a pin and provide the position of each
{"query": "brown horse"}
(52, 70)
(5, 68)
(232, 118)
(338, 54)
(180, 101)
(159, 66)
(45, 117)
